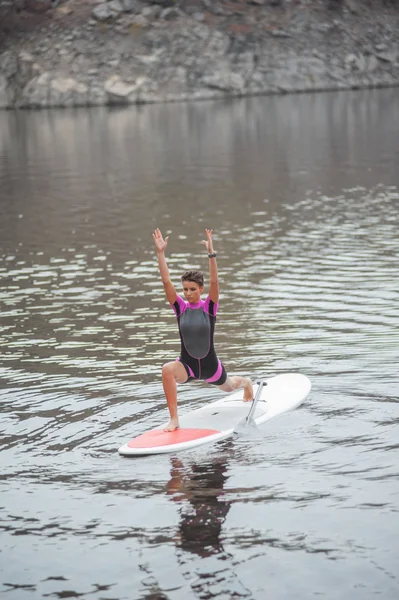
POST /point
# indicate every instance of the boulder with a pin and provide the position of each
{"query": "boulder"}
(355, 62)
(65, 91)
(102, 12)
(117, 91)
(225, 81)
(128, 5)
(389, 57)
(116, 6)
(151, 12)
(140, 21)
(372, 64)
(171, 14)
(45, 90)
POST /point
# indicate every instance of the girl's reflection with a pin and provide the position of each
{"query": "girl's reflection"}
(199, 488)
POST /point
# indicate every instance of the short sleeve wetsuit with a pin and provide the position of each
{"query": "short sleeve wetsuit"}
(196, 328)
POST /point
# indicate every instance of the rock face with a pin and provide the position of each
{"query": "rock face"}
(46, 90)
(93, 52)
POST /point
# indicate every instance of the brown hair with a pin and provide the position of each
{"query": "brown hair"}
(196, 276)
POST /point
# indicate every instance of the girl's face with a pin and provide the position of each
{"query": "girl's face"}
(192, 291)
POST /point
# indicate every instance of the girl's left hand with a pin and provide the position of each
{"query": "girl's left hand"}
(208, 242)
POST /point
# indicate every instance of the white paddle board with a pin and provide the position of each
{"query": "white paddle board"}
(217, 420)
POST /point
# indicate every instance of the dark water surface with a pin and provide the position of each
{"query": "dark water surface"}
(302, 193)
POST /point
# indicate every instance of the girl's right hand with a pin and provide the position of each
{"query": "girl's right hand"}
(159, 242)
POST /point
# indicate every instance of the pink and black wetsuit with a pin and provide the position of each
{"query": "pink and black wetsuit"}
(196, 328)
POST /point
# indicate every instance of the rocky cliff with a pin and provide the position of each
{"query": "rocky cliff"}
(90, 52)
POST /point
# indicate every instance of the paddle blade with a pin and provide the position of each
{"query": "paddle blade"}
(249, 421)
(246, 427)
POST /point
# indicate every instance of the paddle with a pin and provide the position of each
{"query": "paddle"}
(248, 421)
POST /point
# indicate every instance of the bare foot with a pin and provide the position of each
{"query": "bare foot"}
(172, 425)
(248, 390)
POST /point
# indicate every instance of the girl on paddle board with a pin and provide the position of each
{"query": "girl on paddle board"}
(196, 321)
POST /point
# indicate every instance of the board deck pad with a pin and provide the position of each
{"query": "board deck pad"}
(217, 420)
(159, 437)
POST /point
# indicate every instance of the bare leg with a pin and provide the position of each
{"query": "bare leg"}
(172, 374)
(235, 382)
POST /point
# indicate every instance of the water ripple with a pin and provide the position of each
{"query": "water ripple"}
(308, 270)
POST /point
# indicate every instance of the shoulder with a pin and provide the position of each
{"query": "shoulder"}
(210, 307)
(179, 305)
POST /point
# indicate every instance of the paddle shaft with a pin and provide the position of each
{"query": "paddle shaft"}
(255, 400)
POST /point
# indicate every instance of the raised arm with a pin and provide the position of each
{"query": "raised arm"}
(213, 267)
(160, 245)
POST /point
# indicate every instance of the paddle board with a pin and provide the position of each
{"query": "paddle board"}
(217, 420)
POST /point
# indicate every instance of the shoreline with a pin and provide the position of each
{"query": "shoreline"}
(83, 54)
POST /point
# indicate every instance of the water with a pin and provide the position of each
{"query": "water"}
(302, 194)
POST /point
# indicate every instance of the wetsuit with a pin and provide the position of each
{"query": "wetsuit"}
(196, 328)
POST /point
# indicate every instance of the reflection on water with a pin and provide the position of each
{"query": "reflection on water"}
(199, 490)
(302, 194)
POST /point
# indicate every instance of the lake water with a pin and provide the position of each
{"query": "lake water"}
(302, 194)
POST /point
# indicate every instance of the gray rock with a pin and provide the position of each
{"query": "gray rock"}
(199, 16)
(225, 81)
(102, 12)
(35, 93)
(279, 33)
(4, 98)
(128, 5)
(115, 6)
(9, 64)
(44, 90)
(170, 14)
(372, 64)
(140, 21)
(389, 57)
(117, 91)
(26, 66)
(217, 45)
(65, 91)
(361, 63)
(353, 7)
(151, 12)
(350, 60)
(216, 9)
(96, 95)
(325, 27)
(199, 31)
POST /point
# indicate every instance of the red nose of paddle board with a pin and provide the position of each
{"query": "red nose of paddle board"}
(159, 437)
